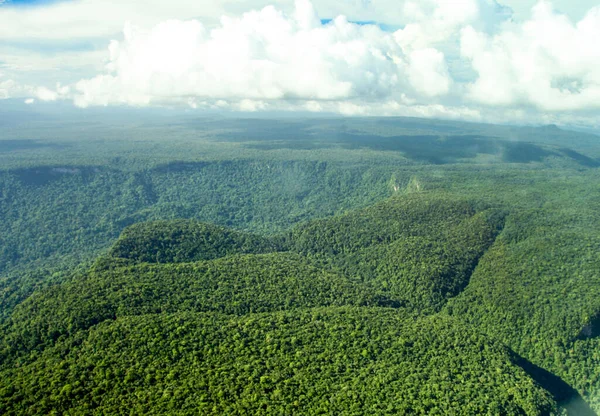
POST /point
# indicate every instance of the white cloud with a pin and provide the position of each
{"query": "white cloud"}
(428, 72)
(390, 107)
(433, 21)
(96, 18)
(13, 59)
(448, 58)
(9, 88)
(546, 62)
(263, 55)
(100, 19)
(46, 94)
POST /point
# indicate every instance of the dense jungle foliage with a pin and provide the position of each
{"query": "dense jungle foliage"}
(327, 266)
(315, 361)
(184, 241)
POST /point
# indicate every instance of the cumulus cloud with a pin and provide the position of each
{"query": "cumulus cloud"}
(428, 72)
(467, 59)
(264, 55)
(46, 94)
(433, 21)
(9, 88)
(546, 62)
(100, 19)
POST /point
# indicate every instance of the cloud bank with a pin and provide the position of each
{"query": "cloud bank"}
(264, 55)
(441, 58)
(547, 62)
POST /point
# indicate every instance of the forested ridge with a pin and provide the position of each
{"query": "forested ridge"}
(185, 241)
(379, 268)
(401, 260)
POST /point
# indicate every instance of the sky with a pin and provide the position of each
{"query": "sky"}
(507, 61)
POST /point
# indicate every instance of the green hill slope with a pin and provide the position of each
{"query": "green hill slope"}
(418, 249)
(415, 251)
(538, 290)
(499, 276)
(320, 361)
(185, 241)
(232, 285)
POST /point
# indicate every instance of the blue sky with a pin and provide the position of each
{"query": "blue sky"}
(481, 60)
(575, 9)
(522, 8)
(29, 2)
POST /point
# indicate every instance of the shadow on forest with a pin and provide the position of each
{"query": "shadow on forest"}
(45, 174)
(449, 146)
(581, 159)
(561, 392)
(440, 150)
(25, 144)
(591, 329)
(432, 149)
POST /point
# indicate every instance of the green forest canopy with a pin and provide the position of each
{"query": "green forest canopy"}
(371, 268)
